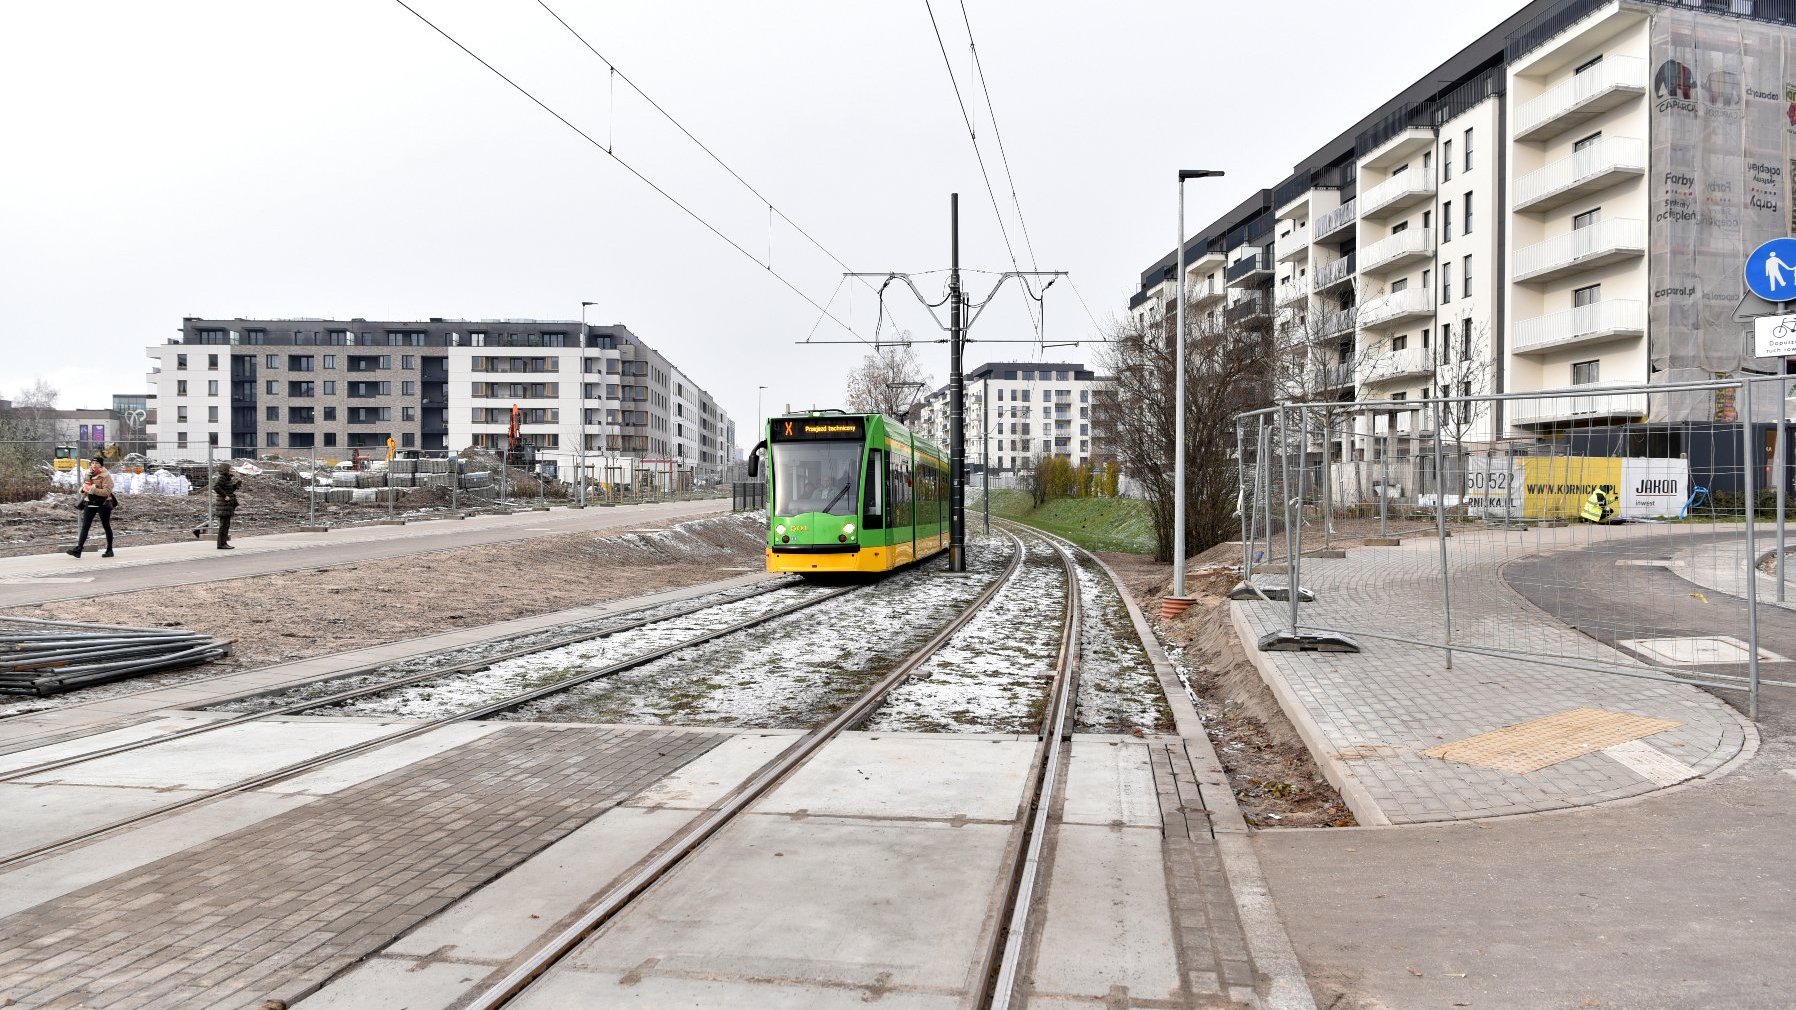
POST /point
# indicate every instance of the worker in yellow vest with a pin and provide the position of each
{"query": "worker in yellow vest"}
(1600, 507)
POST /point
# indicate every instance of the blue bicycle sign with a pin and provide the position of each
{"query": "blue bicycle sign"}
(1771, 270)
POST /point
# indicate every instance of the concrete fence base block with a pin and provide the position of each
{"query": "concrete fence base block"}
(1244, 591)
(1326, 552)
(1285, 641)
(389, 522)
(1383, 541)
(314, 529)
(1273, 569)
(576, 505)
(539, 508)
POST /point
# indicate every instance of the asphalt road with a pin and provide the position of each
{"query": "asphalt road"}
(1682, 899)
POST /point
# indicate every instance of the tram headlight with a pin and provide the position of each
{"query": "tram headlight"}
(848, 528)
(780, 530)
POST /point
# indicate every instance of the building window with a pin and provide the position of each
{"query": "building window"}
(1446, 283)
(330, 440)
(211, 387)
(406, 439)
(1466, 288)
(1467, 229)
(181, 362)
(1465, 339)
(1468, 152)
(274, 360)
(211, 438)
(212, 362)
(408, 361)
(274, 438)
(1587, 295)
(330, 387)
(181, 414)
(212, 414)
(1398, 343)
(1587, 219)
(330, 413)
(330, 361)
(180, 440)
(1447, 221)
(1446, 160)
(1587, 142)
(272, 413)
(180, 387)
(386, 361)
(1585, 372)
(408, 388)
(408, 414)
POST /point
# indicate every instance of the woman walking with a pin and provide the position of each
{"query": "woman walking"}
(96, 499)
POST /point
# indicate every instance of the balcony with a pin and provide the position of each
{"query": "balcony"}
(1396, 195)
(1250, 269)
(1249, 309)
(1578, 403)
(1207, 293)
(1395, 366)
(1337, 323)
(1294, 244)
(1571, 104)
(1400, 249)
(1293, 290)
(1336, 272)
(1334, 222)
(1604, 163)
(1581, 249)
(1338, 376)
(1582, 325)
(1388, 310)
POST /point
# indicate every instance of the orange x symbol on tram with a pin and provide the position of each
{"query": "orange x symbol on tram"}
(788, 427)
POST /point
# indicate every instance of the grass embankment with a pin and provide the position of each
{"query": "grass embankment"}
(1096, 524)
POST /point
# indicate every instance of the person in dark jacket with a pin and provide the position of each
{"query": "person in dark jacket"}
(97, 499)
(224, 488)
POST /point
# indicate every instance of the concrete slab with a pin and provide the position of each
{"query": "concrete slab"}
(1108, 923)
(343, 774)
(715, 772)
(586, 989)
(215, 759)
(382, 984)
(1110, 783)
(853, 903)
(931, 775)
(39, 814)
(70, 871)
(501, 919)
(100, 741)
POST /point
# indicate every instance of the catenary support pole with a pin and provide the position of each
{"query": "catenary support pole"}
(1748, 463)
(1783, 479)
(1440, 531)
(985, 453)
(312, 492)
(957, 436)
(1178, 414)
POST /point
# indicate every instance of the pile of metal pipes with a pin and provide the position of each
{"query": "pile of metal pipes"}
(47, 657)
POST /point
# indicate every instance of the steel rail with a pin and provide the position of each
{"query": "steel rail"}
(725, 810)
(356, 749)
(466, 666)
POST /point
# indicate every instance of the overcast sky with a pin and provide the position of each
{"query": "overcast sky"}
(339, 158)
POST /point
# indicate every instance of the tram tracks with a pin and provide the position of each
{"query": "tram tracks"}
(1001, 959)
(315, 762)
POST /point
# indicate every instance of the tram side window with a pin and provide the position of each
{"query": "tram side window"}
(899, 494)
(925, 494)
(875, 483)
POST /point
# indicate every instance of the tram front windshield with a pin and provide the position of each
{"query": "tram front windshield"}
(816, 477)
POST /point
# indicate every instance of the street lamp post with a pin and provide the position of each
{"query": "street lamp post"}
(580, 468)
(1178, 399)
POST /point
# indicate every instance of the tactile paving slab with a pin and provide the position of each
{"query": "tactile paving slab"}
(1530, 746)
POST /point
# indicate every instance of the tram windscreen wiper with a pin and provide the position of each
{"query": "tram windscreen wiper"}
(832, 502)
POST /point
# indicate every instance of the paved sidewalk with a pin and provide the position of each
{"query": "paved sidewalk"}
(1369, 717)
(44, 578)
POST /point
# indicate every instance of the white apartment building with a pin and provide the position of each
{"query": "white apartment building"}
(1018, 412)
(592, 397)
(1564, 205)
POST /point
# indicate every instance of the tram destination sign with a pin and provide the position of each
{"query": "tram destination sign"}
(804, 429)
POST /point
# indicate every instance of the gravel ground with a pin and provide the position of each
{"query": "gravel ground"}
(1118, 689)
(795, 672)
(300, 614)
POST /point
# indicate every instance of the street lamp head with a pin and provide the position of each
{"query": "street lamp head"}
(584, 304)
(1197, 173)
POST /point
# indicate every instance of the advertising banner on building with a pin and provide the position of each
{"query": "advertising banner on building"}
(1555, 487)
(1494, 487)
(1654, 488)
(1718, 184)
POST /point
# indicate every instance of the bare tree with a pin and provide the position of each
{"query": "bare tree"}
(1464, 369)
(27, 429)
(1227, 371)
(888, 381)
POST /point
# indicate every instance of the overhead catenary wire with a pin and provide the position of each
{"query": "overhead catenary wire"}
(603, 147)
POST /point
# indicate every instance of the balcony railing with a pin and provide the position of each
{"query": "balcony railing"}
(1335, 271)
(1335, 220)
(1393, 366)
(1586, 323)
(1581, 249)
(1336, 323)
(1391, 308)
(1398, 193)
(1571, 103)
(1602, 164)
(1403, 247)
(1294, 244)
(1256, 263)
(1294, 290)
(1338, 376)
(1248, 309)
(1587, 402)
(1204, 294)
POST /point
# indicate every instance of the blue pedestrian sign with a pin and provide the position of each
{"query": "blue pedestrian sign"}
(1771, 270)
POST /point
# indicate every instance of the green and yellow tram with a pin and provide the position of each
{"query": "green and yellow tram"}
(851, 493)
